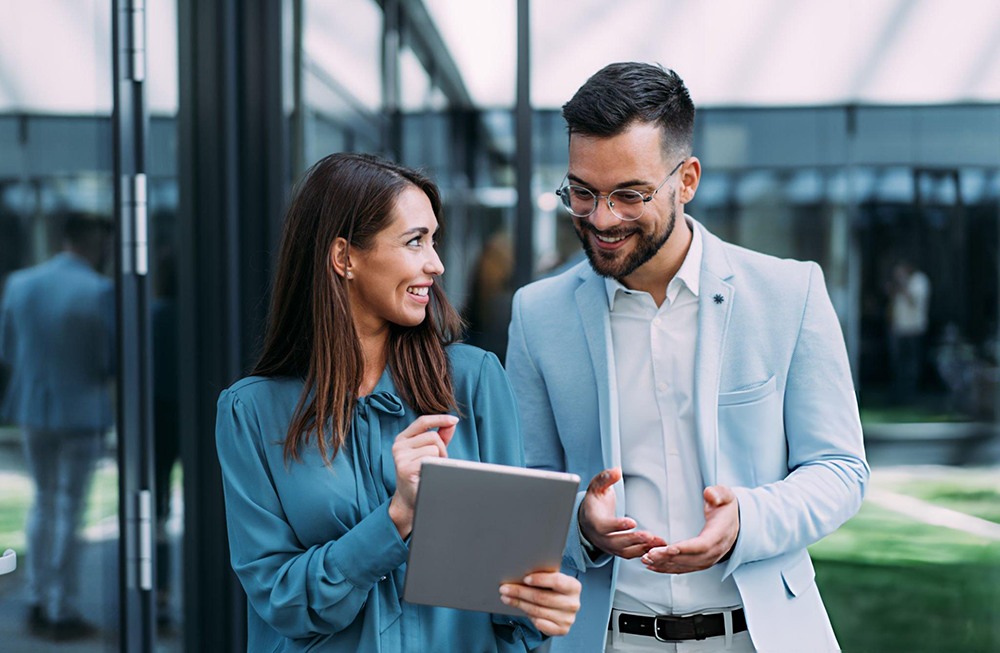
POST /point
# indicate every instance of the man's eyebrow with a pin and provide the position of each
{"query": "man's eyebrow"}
(626, 184)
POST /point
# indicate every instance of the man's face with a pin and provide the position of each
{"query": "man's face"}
(633, 159)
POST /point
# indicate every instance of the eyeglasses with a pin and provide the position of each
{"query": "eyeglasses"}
(625, 203)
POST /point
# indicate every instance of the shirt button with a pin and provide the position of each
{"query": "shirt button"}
(656, 321)
(662, 387)
(381, 579)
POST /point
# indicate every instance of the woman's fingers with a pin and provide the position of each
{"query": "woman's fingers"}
(537, 611)
(424, 439)
(426, 423)
(545, 598)
(403, 448)
(553, 580)
(550, 628)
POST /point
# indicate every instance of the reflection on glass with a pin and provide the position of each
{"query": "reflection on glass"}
(58, 462)
(57, 340)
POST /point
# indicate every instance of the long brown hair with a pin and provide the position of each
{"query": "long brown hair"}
(311, 333)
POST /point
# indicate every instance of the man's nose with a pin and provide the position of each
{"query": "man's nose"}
(602, 218)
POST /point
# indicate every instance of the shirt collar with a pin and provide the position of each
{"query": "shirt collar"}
(689, 273)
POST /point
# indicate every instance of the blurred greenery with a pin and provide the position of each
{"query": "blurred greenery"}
(908, 415)
(19, 491)
(891, 583)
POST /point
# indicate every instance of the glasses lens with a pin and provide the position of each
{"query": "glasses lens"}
(627, 204)
(578, 200)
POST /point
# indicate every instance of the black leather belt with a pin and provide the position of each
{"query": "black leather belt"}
(677, 629)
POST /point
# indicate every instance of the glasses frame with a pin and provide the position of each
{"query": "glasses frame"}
(646, 199)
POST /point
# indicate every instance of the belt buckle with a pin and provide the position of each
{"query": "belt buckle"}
(665, 619)
(697, 622)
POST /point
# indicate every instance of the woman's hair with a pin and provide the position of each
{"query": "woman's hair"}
(311, 333)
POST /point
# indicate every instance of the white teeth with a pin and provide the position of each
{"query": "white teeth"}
(420, 292)
(610, 240)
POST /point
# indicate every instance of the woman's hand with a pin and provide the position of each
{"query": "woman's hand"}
(551, 599)
(414, 444)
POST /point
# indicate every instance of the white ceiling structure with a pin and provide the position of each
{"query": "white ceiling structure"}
(738, 52)
(55, 54)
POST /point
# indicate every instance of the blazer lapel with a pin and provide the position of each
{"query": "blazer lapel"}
(715, 305)
(592, 301)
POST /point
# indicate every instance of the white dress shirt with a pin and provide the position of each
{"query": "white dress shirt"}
(654, 352)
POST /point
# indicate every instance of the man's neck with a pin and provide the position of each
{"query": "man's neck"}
(655, 275)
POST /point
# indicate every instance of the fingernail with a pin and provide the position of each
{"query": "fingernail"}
(505, 599)
(504, 589)
(527, 580)
(453, 419)
(673, 550)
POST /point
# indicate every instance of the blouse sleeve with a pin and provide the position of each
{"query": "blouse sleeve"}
(299, 591)
(499, 430)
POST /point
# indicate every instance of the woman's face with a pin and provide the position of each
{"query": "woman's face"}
(392, 277)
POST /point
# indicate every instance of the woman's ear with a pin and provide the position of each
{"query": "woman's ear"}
(339, 259)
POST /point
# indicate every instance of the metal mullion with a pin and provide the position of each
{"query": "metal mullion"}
(130, 126)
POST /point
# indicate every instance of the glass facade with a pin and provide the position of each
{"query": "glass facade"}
(59, 501)
(886, 198)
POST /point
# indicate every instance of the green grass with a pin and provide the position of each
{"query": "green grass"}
(971, 496)
(908, 415)
(894, 584)
(18, 492)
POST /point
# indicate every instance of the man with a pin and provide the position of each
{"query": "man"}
(909, 305)
(705, 389)
(57, 335)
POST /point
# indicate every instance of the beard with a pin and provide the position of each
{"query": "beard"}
(612, 264)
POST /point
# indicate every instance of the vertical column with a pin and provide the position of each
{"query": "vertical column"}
(523, 246)
(234, 171)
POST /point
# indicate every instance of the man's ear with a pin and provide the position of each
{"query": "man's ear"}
(339, 259)
(690, 178)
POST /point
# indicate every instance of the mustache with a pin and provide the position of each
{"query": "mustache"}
(610, 233)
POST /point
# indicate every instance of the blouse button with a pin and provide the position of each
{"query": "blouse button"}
(381, 579)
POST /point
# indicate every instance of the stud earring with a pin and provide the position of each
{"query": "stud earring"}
(350, 275)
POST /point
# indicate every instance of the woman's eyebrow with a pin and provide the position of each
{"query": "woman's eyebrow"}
(418, 230)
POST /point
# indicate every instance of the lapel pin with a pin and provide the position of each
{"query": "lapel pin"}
(718, 299)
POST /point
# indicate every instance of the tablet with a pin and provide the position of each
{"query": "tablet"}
(478, 525)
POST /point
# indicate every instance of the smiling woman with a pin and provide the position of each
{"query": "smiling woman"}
(362, 376)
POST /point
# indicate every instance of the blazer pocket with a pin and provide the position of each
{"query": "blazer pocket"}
(749, 395)
(799, 575)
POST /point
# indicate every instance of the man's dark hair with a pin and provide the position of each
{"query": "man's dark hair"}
(621, 94)
(80, 228)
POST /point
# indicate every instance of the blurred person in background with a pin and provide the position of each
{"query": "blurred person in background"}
(362, 342)
(57, 336)
(705, 388)
(909, 303)
(489, 310)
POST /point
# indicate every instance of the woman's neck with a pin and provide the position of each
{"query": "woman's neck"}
(374, 348)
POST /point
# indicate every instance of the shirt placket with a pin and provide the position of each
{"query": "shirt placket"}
(663, 369)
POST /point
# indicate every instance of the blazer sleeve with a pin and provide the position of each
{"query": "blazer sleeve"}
(495, 412)
(542, 447)
(825, 446)
(300, 591)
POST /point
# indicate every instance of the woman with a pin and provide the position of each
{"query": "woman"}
(321, 447)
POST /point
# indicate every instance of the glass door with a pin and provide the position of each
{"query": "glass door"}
(59, 430)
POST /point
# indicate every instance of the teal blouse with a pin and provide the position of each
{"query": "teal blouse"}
(320, 560)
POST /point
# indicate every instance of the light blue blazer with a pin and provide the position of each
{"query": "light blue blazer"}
(57, 334)
(776, 416)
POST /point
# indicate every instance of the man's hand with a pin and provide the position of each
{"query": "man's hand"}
(613, 535)
(722, 526)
